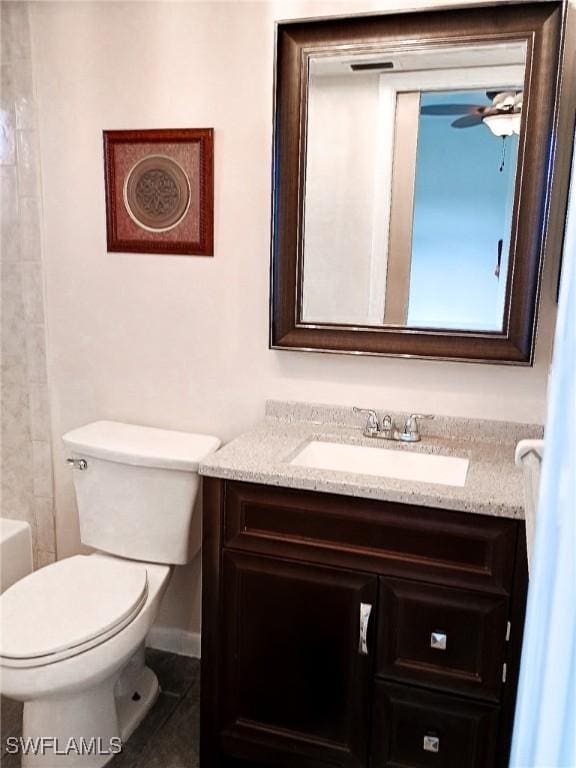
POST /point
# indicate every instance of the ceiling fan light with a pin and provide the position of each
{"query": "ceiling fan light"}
(503, 124)
(516, 117)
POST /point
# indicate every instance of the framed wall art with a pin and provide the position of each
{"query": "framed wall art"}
(160, 191)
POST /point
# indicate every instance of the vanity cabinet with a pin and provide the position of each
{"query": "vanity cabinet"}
(340, 631)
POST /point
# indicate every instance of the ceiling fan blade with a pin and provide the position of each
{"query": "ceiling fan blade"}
(468, 121)
(449, 109)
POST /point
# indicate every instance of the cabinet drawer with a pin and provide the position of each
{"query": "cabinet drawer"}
(413, 728)
(395, 539)
(446, 638)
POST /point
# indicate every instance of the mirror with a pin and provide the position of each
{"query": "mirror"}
(410, 181)
(423, 195)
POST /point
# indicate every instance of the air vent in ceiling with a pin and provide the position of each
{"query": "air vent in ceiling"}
(372, 65)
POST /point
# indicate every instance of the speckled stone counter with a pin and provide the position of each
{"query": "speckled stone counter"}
(493, 483)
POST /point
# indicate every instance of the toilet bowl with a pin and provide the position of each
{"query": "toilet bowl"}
(72, 640)
(69, 671)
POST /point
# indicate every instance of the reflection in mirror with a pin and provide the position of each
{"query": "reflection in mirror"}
(410, 185)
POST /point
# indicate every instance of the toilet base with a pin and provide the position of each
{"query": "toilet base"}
(87, 729)
(133, 707)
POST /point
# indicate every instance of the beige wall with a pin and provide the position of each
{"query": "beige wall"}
(182, 342)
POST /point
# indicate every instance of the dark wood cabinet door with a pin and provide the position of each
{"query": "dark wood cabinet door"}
(414, 728)
(296, 685)
(451, 639)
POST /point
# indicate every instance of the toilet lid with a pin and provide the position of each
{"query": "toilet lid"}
(68, 604)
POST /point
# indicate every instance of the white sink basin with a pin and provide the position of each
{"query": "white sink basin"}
(384, 462)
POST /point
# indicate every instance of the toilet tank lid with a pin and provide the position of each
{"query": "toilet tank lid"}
(141, 446)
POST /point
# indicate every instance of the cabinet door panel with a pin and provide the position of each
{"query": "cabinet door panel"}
(419, 729)
(294, 680)
(447, 638)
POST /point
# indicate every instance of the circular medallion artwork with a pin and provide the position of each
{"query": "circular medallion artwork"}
(157, 193)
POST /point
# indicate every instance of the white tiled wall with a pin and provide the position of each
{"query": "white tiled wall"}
(26, 462)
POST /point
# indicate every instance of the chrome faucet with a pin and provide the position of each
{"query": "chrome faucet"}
(388, 430)
(372, 428)
(411, 432)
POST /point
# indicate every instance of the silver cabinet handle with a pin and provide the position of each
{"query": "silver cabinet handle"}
(77, 463)
(438, 641)
(431, 744)
(365, 611)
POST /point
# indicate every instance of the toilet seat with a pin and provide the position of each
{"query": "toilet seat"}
(68, 607)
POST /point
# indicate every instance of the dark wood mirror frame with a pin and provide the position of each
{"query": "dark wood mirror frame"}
(541, 25)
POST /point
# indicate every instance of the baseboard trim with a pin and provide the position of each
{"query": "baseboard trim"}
(174, 640)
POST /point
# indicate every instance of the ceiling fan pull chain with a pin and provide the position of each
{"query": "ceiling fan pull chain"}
(499, 259)
(503, 159)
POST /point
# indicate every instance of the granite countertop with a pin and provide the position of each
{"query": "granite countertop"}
(493, 485)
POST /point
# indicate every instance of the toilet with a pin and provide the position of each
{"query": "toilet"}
(73, 633)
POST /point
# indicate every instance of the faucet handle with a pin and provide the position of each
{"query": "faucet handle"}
(372, 427)
(388, 428)
(412, 428)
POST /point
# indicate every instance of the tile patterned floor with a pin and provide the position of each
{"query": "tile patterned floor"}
(168, 736)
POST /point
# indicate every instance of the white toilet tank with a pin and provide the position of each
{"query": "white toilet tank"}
(137, 489)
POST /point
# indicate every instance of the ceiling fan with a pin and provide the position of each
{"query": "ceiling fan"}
(502, 116)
